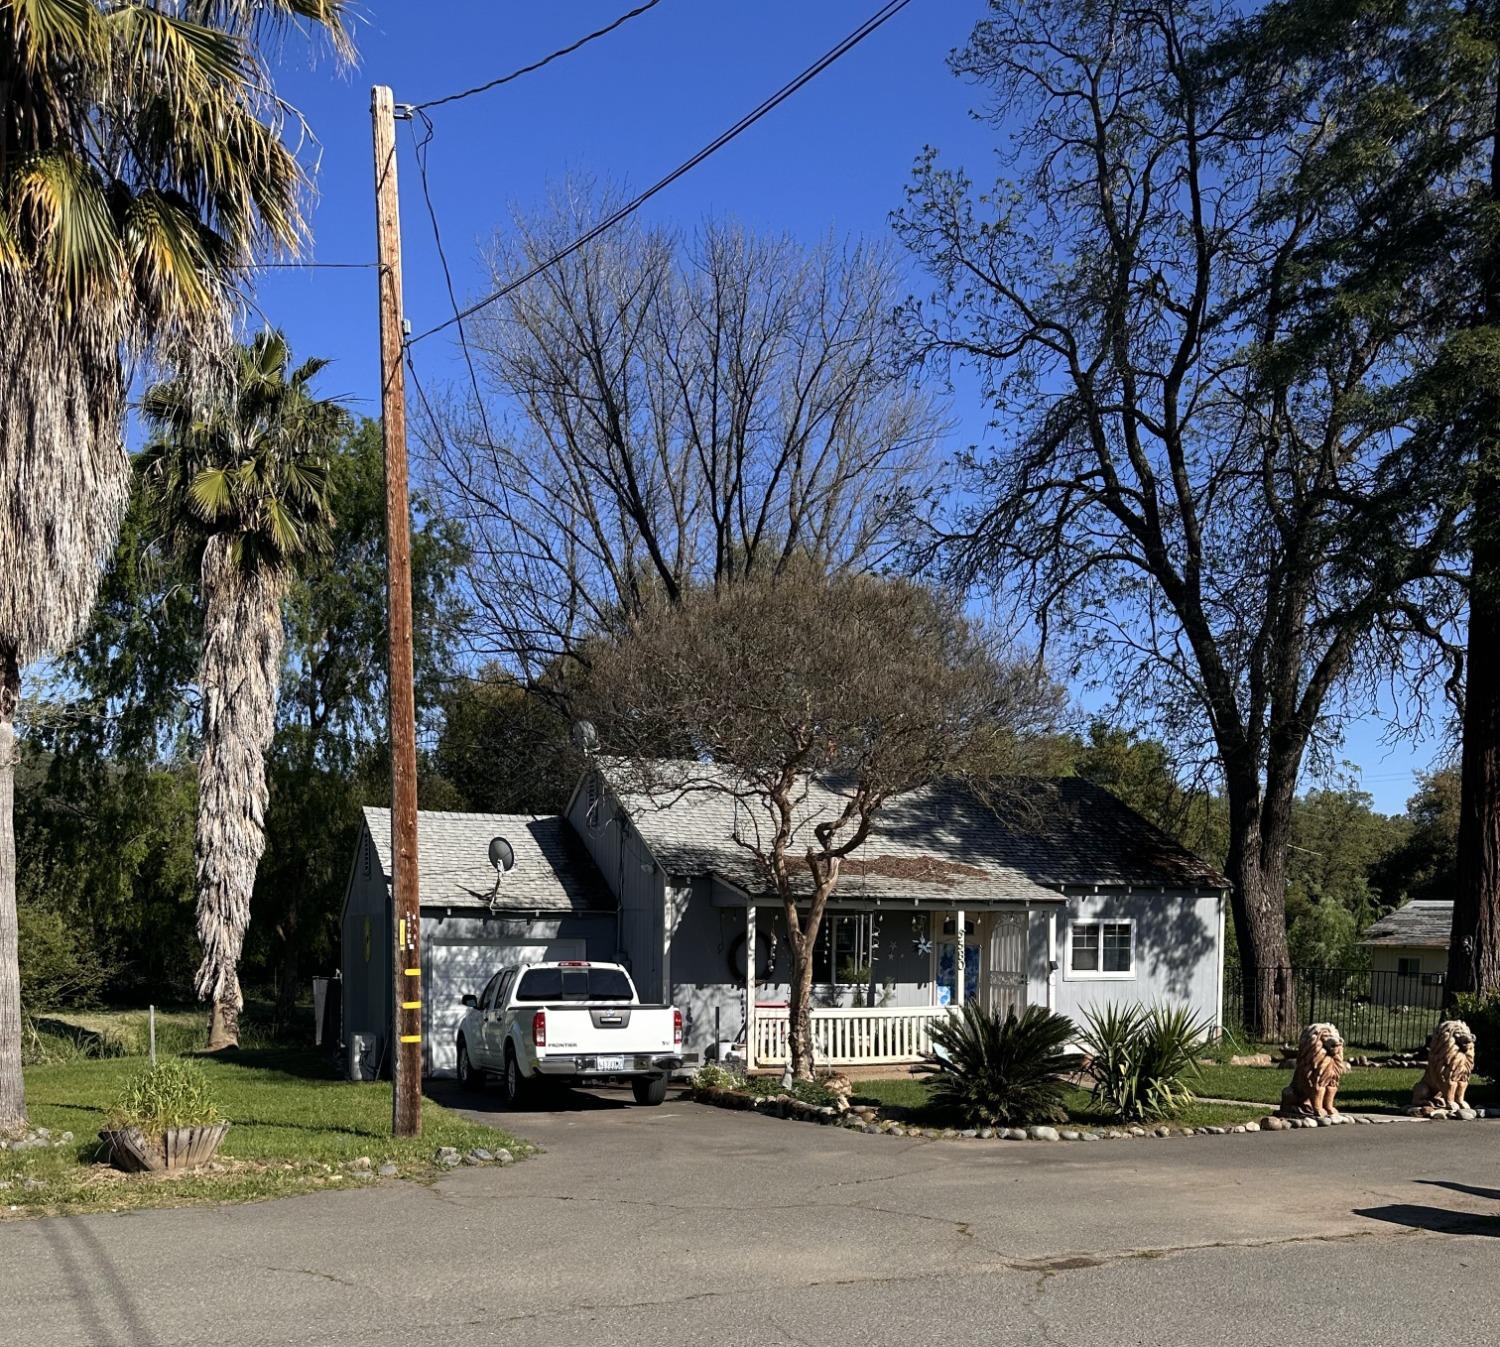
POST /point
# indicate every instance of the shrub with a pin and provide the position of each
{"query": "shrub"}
(995, 1070)
(173, 1093)
(712, 1077)
(60, 965)
(1140, 1058)
(1481, 1012)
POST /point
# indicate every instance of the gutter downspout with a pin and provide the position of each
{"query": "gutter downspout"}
(1219, 991)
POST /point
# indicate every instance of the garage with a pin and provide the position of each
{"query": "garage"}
(552, 904)
(453, 965)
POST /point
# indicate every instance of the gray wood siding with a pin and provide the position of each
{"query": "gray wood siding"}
(1176, 954)
(633, 876)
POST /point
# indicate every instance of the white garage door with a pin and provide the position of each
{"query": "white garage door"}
(453, 969)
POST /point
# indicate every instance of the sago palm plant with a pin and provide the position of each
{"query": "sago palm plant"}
(142, 168)
(995, 1070)
(240, 487)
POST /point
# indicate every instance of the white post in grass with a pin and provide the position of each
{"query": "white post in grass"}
(750, 986)
(960, 958)
(151, 1018)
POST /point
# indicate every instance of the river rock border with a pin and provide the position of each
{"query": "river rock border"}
(868, 1120)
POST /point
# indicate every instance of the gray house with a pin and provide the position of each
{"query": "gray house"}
(1056, 895)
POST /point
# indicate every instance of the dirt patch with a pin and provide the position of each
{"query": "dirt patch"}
(919, 869)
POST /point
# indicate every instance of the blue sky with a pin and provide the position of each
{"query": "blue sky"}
(835, 157)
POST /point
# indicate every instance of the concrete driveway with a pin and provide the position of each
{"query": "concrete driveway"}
(685, 1225)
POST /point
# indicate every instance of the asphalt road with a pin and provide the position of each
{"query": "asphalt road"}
(683, 1225)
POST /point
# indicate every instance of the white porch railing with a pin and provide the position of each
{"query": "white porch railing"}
(884, 1036)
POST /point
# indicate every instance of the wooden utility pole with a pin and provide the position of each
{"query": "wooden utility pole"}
(406, 961)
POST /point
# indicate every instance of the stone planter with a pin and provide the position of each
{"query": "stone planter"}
(178, 1149)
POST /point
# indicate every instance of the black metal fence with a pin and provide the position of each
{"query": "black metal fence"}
(1374, 1011)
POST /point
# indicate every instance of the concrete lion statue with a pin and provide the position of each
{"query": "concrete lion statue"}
(1315, 1079)
(1450, 1063)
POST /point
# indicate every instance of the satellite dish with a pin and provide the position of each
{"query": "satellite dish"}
(585, 736)
(502, 855)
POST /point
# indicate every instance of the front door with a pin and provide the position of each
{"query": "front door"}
(1005, 962)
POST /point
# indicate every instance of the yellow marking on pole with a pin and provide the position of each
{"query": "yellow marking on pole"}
(413, 972)
(411, 1005)
(401, 939)
(411, 1038)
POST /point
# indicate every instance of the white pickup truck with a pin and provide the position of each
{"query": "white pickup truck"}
(570, 1023)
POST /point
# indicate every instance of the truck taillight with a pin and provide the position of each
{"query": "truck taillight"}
(539, 1029)
(677, 1028)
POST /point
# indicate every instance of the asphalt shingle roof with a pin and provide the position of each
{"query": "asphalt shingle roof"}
(944, 841)
(553, 872)
(1426, 924)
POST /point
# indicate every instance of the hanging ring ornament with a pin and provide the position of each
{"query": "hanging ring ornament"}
(765, 954)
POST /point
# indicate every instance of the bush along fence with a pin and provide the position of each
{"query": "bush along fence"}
(1377, 1010)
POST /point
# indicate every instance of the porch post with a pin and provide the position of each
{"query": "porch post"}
(959, 958)
(749, 985)
(1052, 960)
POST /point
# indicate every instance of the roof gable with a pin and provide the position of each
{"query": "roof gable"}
(552, 873)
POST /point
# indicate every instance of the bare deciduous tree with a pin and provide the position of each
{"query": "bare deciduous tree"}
(812, 701)
(669, 412)
(1202, 482)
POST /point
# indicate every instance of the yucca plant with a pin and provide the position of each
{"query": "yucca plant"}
(142, 169)
(1141, 1059)
(998, 1070)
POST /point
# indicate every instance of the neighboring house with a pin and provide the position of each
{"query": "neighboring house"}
(1059, 895)
(1409, 952)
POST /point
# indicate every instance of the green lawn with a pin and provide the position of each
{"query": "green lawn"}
(909, 1093)
(293, 1125)
(1362, 1089)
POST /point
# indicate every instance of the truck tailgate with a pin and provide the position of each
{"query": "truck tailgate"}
(611, 1030)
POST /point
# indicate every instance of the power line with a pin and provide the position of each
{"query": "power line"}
(312, 266)
(888, 11)
(537, 65)
(421, 146)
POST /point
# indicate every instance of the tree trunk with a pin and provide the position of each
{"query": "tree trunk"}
(1256, 866)
(12, 1085)
(1474, 946)
(802, 937)
(238, 677)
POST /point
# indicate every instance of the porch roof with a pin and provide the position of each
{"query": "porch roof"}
(1027, 841)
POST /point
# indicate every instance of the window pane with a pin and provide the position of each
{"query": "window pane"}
(1086, 947)
(1117, 947)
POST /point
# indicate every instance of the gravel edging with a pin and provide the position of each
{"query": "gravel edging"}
(786, 1107)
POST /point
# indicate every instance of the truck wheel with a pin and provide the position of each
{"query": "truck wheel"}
(513, 1082)
(649, 1090)
(468, 1078)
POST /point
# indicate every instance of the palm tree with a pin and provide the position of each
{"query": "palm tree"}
(240, 488)
(142, 168)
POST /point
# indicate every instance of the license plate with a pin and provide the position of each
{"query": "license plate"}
(609, 1064)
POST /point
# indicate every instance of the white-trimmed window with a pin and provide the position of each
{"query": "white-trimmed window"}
(1101, 949)
(1408, 968)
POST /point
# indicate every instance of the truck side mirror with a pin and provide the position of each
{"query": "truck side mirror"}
(470, 1000)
